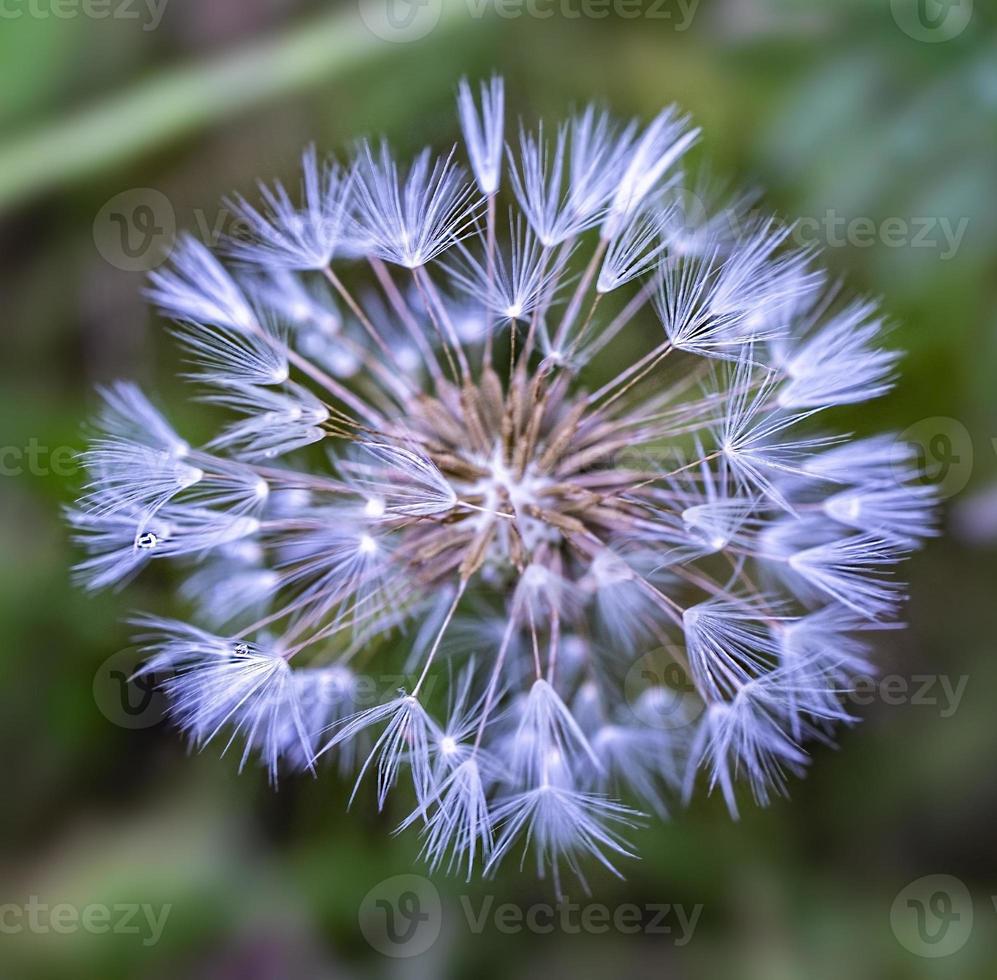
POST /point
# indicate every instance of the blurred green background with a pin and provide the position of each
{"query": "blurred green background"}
(855, 114)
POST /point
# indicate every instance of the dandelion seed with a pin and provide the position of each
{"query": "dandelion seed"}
(410, 219)
(483, 134)
(283, 235)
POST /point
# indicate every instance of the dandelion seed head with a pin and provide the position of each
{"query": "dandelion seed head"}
(527, 422)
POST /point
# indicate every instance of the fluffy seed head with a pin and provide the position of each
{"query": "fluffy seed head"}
(524, 444)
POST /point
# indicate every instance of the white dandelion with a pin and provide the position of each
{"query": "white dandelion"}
(428, 465)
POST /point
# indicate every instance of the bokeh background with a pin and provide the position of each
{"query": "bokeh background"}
(855, 114)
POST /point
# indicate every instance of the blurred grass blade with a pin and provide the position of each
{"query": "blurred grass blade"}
(179, 101)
